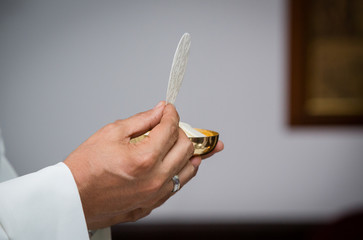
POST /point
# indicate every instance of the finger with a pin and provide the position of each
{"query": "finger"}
(185, 175)
(137, 214)
(161, 201)
(178, 156)
(142, 122)
(163, 136)
(196, 161)
(131, 216)
(219, 147)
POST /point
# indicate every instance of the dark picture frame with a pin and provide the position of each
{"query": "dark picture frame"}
(326, 62)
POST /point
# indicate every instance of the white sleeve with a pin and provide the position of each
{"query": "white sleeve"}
(42, 205)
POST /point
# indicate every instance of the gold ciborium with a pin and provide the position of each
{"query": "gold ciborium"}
(202, 145)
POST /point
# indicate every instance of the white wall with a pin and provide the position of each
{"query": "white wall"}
(67, 68)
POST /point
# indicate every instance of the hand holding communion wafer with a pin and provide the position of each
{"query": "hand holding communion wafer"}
(120, 180)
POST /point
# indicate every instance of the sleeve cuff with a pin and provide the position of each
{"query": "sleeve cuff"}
(43, 205)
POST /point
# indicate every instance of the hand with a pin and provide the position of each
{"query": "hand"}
(119, 181)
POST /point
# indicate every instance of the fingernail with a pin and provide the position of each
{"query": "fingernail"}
(159, 105)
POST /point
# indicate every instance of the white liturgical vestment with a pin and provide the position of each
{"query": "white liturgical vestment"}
(43, 205)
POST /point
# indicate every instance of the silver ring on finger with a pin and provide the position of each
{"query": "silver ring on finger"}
(176, 182)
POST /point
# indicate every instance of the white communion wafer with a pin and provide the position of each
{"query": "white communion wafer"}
(178, 68)
(176, 78)
(189, 131)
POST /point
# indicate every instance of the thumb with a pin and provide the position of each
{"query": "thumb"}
(140, 123)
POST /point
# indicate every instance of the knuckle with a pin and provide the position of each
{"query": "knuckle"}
(154, 186)
(118, 123)
(140, 164)
(152, 203)
(192, 171)
(164, 174)
(173, 114)
(190, 149)
(146, 161)
(174, 129)
(110, 127)
(109, 130)
(140, 115)
(135, 215)
(158, 182)
(174, 133)
(147, 213)
(143, 213)
(187, 144)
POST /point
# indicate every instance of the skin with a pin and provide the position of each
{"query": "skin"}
(119, 181)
